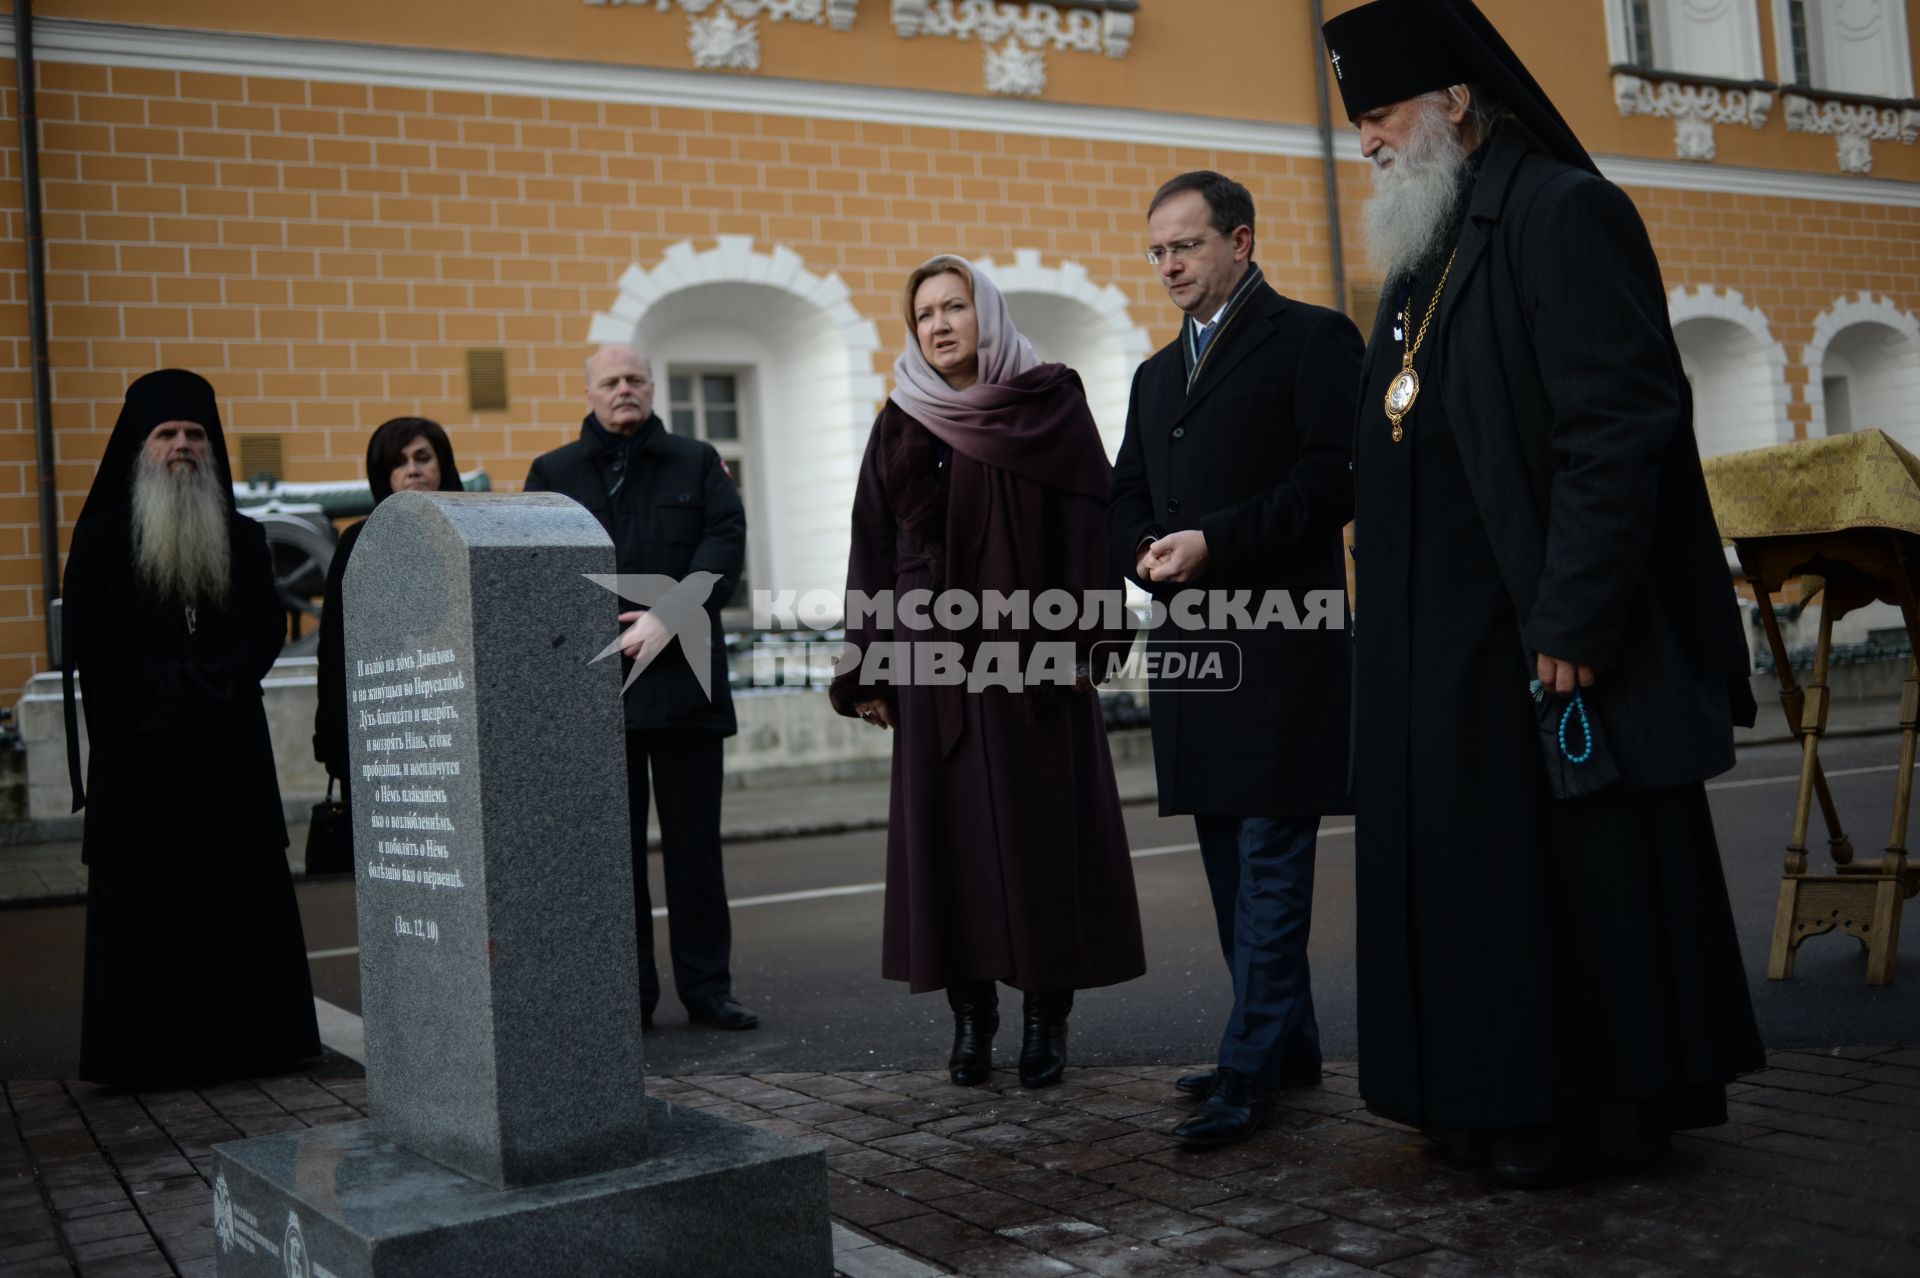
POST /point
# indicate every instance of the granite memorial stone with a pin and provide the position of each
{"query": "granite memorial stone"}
(510, 1130)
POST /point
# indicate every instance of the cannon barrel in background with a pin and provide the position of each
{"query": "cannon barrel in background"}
(301, 537)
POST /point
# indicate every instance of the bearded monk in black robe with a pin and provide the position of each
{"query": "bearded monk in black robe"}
(195, 963)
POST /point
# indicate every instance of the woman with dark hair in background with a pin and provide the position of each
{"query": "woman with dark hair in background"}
(405, 453)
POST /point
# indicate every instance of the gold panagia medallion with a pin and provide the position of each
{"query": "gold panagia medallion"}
(1401, 392)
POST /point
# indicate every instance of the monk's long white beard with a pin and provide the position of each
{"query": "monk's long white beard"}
(1413, 200)
(180, 535)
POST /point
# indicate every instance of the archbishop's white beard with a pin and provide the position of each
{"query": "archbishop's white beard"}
(180, 536)
(1413, 199)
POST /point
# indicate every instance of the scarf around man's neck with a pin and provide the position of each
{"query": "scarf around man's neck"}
(1196, 358)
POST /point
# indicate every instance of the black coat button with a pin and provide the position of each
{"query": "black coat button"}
(1179, 432)
(1173, 506)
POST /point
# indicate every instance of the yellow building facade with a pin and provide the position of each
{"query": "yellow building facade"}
(343, 213)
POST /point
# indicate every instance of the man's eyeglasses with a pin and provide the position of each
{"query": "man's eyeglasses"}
(1180, 250)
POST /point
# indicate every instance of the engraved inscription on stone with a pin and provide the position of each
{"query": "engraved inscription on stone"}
(403, 707)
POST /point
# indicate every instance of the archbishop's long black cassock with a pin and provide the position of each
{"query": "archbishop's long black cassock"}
(1523, 962)
(196, 966)
(1256, 456)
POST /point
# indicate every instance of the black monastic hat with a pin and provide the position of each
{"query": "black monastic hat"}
(1391, 50)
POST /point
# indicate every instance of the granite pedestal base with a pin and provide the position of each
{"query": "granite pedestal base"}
(709, 1197)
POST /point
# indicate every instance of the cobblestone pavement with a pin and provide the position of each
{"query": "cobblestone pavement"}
(1814, 1174)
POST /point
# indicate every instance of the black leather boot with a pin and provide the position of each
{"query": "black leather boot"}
(1043, 1038)
(976, 1017)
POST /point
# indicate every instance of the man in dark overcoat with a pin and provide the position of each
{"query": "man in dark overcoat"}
(672, 510)
(1550, 984)
(1233, 484)
(196, 968)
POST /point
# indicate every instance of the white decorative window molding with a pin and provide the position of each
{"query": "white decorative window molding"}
(1018, 67)
(1737, 370)
(1074, 321)
(1695, 108)
(721, 34)
(1016, 72)
(1871, 348)
(1854, 126)
(810, 354)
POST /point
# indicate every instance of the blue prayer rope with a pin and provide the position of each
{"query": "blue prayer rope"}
(1586, 730)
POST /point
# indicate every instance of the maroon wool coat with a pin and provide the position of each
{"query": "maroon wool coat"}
(1006, 856)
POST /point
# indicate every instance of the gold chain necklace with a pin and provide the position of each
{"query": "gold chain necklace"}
(1405, 386)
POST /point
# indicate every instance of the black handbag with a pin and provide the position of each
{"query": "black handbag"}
(330, 836)
(1578, 761)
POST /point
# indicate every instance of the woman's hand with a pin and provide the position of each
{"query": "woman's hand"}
(878, 712)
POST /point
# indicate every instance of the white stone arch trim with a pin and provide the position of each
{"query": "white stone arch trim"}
(1123, 343)
(1070, 280)
(812, 387)
(1862, 308)
(1703, 301)
(733, 260)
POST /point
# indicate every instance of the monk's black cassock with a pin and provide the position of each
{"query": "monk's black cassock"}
(195, 963)
(1527, 963)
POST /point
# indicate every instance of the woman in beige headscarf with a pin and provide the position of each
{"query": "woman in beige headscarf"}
(1006, 856)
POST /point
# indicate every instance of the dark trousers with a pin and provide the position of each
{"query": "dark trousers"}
(1260, 874)
(686, 776)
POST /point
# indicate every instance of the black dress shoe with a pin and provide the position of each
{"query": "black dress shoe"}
(722, 1013)
(976, 1019)
(1199, 1086)
(1043, 1037)
(1236, 1110)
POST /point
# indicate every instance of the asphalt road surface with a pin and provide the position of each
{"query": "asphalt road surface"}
(807, 943)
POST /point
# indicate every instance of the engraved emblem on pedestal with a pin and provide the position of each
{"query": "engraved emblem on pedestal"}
(293, 1249)
(222, 1212)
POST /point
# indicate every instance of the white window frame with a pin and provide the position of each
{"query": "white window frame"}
(740, 451)
(1897, 43)
(1751, 66)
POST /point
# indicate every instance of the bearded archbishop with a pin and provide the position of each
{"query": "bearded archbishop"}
(1549, 660)
(195, 963)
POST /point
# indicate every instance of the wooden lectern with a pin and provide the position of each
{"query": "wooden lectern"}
(1844, 511)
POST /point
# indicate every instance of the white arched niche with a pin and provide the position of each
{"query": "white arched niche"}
(804, 356)
(1073, 321)
(1863, 370)
(1736, 369)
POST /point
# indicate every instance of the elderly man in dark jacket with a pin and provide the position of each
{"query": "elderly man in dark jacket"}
(1233, 480)
(1549, 653)
(673, 512)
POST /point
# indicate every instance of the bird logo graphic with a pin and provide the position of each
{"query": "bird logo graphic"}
(681, 606)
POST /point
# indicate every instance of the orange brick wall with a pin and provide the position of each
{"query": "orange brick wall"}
(326, 253)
